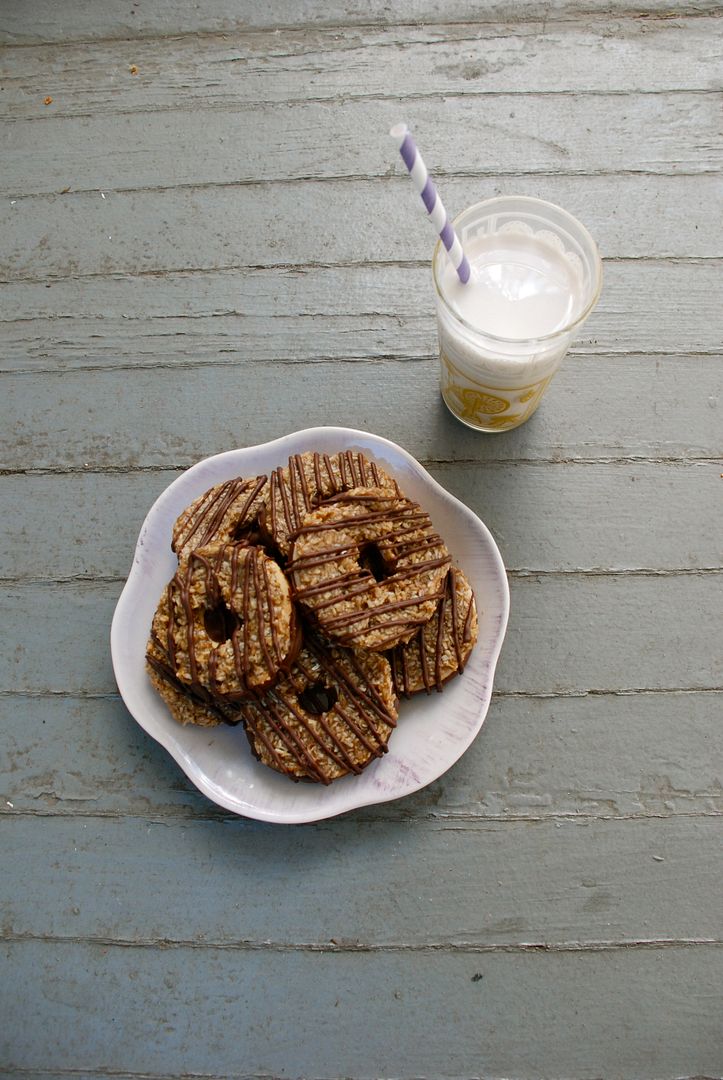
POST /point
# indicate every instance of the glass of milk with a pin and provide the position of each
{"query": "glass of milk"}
(536, 276)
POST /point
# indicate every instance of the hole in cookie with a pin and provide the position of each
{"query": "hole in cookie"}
(245, 532)
(372, 560)
(318, 698)
(220, 622)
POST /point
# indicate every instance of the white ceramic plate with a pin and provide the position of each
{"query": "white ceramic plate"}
(433, 731)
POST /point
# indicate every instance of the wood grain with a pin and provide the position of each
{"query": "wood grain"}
(236, 883)
(40, 20)
(567, 633)
(358, 312)
(396, 63)
(513, 135)
(197, 1011)
(364, 221)
(597, 407)
(538, 758)
(540, 517)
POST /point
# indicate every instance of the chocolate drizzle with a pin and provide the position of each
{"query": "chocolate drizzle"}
(402, 532)
(304, 742)
(425, 652)
(203, 521)
(224, 713)
(253, 650)
(369, 569)
(307, 479)
(161, 656)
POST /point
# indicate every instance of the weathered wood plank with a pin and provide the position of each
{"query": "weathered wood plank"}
(537, 758)
(597, 407)
(370, 312)
(218, 228)
(40, 21)
(522, 134)
(539, 515)
(205, 357)
(440, 1015)
(570, 518)
(223, 883)
(603, 55)
(567, 633)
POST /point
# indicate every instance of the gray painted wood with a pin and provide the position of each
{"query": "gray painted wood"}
(267, 269)
(429, 1014)
(40, 20)
(568, 632)
(359, 312)
(551, 757)
(481, 884)
(538, 515)
(598, 407)
(558, 133)
(206, 228)
(633, 56)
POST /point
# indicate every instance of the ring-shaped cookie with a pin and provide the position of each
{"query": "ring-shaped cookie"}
(225, 514)
(187, 705)
(234, 624)
(331, 715)
(298, 487)
(369, 568)
(440, 649)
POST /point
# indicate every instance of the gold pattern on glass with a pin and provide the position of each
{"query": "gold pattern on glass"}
(485, 407)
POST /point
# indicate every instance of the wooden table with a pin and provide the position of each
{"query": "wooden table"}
(208, 241)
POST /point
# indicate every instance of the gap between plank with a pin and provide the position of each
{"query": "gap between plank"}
(319, 360)
(351, 178)
(347, 946)
(130, 470)
(538, 695)
(450, 821)
(303, 268)
(512, 572)
(268, 103)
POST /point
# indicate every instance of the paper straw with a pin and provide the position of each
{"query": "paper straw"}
(430, 197)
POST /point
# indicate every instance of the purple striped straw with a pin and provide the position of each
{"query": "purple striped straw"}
(430, 197)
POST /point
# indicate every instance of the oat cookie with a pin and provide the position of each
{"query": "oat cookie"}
(234, 623)
(227, 513)
(440, 649)
(186, 708)
(185, 705)
(331, 715)
(369, 567)
(297, 488)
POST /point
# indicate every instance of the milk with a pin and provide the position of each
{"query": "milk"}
(504, 333)
(521, 287)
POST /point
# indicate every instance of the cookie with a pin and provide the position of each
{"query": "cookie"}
(369, 568)
(308, 478)
(185, 705)
(234, 624)
(227, 513)
(440, 649)
(331, 715)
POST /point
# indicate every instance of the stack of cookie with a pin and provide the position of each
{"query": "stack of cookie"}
(304, 605)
